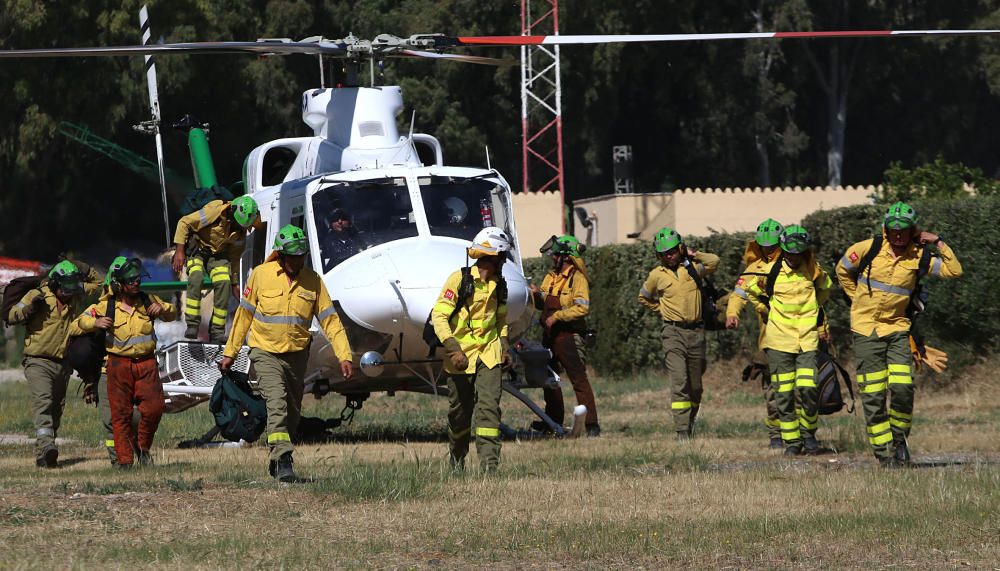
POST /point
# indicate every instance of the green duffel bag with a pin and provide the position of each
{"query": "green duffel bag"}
(239, 413)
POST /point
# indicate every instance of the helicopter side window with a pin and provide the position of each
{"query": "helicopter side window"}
(461, 207)
(352, 217)
(276, 164)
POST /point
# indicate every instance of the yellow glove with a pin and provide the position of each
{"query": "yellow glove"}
(458, 357)
(936, 359)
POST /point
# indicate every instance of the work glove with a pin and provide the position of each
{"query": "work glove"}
(90, 393)
(506, 359)
(936, 359)
(38, 304)
(458, 358)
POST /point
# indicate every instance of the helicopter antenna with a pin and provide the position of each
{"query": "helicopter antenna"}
(153, 126)
(413, 119)
(488, 165)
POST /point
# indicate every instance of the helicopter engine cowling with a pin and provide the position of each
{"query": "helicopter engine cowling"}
(392, 287)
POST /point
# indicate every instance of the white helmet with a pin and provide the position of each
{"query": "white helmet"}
(490, 241)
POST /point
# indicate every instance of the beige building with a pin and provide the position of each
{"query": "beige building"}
(619, 219)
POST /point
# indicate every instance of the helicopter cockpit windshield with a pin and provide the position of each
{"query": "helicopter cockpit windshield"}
(354, 216)
(460, 207)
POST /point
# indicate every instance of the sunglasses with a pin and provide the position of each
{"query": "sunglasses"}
(131, 281)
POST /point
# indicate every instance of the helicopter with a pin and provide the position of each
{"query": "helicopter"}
(413, 221)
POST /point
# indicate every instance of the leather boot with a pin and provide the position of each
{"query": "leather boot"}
(283, 471)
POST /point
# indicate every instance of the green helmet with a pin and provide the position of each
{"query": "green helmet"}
(768, 232)
(244, 210)
(130, 270)
(115, 265)
(900, 216)
(66, 276)
(666, 239)
(794, 239)
(291, 240)
(566, 245)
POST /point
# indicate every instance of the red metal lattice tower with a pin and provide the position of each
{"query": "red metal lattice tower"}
(541, 106)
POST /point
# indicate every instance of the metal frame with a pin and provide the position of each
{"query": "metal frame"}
(541, 102)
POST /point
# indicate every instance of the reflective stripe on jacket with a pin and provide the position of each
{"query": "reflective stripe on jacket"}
(133, 334)
(792, 321)
(879, 298)
(674, 293)
(277, 313)
(479, 325)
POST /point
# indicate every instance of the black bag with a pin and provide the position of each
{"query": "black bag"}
(199, 197)
(238, 412)
(15, 290)
(713, 318)
(828, 375)
(86, 353)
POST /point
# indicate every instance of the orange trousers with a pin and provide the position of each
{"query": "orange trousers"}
(134, 382)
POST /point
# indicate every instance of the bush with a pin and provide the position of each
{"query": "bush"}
(963, 317)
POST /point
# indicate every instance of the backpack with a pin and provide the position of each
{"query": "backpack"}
(465, 290)
(86, 353)
(239, 413)
(829, 375)
(199, 197)
(711, 316)
(919, 297)
(15, 290)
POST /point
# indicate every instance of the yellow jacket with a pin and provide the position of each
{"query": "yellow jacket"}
(757, 264)
(133, 334)
(46, 330)
(674, 293)
(792, 320)
(479, 325)
(277, 313)
(879, 305)
(572, 289)
(213, 231)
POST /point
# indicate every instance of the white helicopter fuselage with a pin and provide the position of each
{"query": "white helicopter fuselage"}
(410, 225)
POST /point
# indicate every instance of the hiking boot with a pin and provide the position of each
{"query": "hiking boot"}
(191, 332)
(145, 458)
(283, 471)
(811, 445)
(272, 468)
(902, 454)
(793, 449)
(776, 443)
(593, 430)
(49, 458)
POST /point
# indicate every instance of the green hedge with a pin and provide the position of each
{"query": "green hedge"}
(963, 317)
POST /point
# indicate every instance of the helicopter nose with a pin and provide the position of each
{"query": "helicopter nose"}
(391, 288)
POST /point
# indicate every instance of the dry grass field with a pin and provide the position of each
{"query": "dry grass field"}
(382, 495)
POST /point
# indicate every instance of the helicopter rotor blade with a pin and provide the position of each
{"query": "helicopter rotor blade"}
(154, 110)
(457, 57)
(259, 48)
(445, 41)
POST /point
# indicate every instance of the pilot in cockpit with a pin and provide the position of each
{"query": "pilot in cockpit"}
(342, 241)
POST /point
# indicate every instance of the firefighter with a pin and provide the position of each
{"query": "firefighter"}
(470, 319)
(880, 283)
(671, 290)
(132, 371)
(757, 257)
(47, 312)
(792, 292)
(564, 300)
(212, 239)
(98, 393)
(279, 303)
